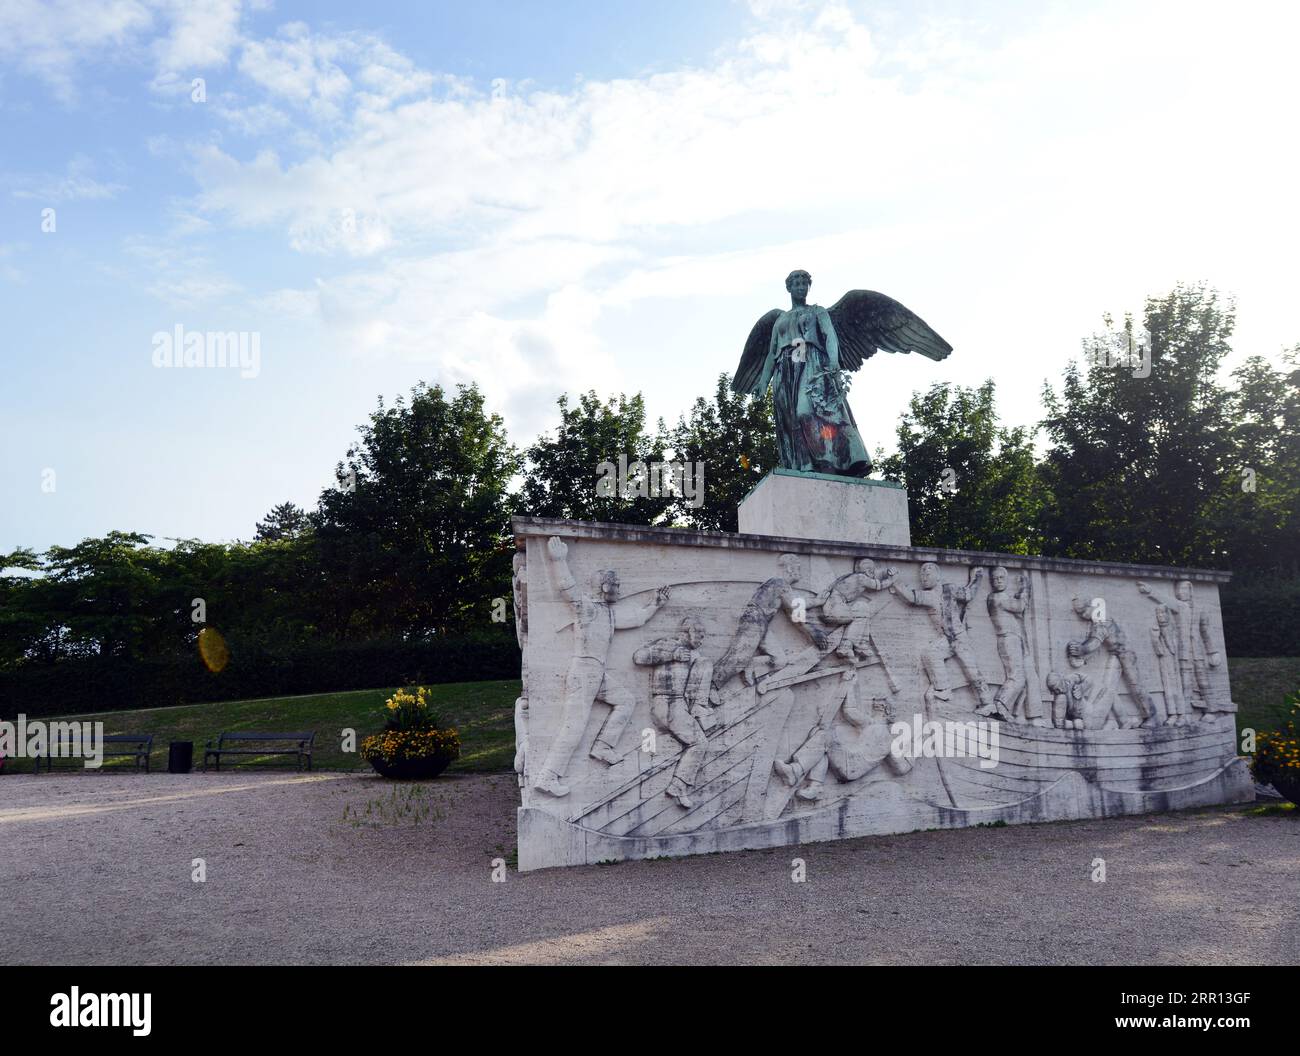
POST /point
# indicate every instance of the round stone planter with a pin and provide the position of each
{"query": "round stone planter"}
(419, 769)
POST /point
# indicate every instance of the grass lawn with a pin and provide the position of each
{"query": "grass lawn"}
(1260, 686)
(483, 712)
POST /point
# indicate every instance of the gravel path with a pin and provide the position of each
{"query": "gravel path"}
(334, 868)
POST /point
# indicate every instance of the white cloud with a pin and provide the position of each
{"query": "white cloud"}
(299, 68)
(999, 178)
(50, 39)
(7, 270)
(200, 36)
(75, 184)
(55, 40)
(170, 268)
(290, 304)
(1009, 178)
(254, 120)
(517, 321)
(190, 291)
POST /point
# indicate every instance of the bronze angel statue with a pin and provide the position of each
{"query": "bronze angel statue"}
(801, 353)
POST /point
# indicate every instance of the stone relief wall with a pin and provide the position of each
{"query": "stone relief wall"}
(688, 692)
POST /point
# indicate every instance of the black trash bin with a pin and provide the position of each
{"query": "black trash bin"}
(180, 757)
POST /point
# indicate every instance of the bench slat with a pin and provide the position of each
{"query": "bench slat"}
(267, 736)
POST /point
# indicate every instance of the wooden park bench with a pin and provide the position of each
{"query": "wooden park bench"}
(130, 744)
(301, 746)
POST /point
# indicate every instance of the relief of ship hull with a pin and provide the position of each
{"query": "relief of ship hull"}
(1031, 759)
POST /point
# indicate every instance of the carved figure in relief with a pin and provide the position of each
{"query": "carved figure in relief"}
(1019, 695)
(845, 602)
(1196, 652)
(946, 606)
(1105, 633)
(519, 580)
(850, 749)
(595, 620)
(1164, 642)
(747, 652)
(680, 700)
(1072, 696)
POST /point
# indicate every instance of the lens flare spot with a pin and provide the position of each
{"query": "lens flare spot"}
(213, 650)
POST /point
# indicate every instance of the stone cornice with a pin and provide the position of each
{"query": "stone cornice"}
(633, 533)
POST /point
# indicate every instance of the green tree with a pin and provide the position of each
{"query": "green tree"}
(102, 596)
(1256, 513)
(734, 439)
(31, 628)
(564, 470)
(415, 539)
(285, 521)
(1133, 462)
(971, 484)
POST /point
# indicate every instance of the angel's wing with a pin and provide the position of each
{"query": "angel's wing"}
(752, 360)
(865, 321)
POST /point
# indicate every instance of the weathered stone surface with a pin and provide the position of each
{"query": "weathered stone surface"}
(753, 702)
(819, 506)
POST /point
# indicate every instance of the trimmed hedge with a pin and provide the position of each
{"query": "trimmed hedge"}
(1261, 617)
(109, 684)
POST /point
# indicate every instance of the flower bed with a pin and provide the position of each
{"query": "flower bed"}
(1277, 756)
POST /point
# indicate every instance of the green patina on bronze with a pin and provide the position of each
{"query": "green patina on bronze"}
(803, 354)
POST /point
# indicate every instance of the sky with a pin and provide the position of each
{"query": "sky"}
(553, 197)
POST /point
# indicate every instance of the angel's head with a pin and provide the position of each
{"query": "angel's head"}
(798, 283)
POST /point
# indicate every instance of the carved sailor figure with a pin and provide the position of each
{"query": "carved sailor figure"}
(850, 750)
(946, 606)
(1196, 652)
(595, 621)
(680, 687)
(1072, 696)
(1164, 642)
(846, 602)
(1019, 691)
(520, 583)
(747, 649)
(1105, 633)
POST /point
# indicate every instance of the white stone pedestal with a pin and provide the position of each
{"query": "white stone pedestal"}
(820, 506)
